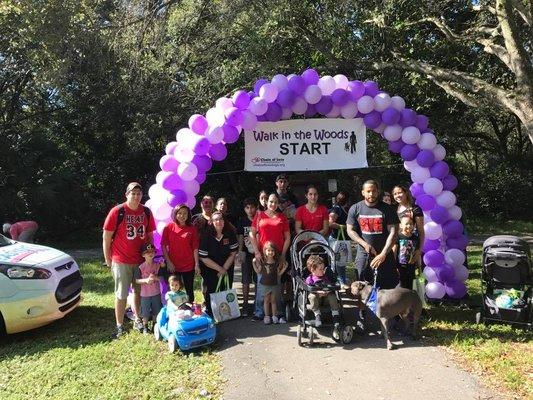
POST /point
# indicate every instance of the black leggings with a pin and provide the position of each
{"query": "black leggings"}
(188, 283)
(407, 274)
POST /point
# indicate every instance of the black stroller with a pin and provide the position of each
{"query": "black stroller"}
(305, 244)
(506, 279)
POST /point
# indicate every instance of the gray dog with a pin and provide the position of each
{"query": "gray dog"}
(391, 302)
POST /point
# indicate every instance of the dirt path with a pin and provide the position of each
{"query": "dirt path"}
(265, 362)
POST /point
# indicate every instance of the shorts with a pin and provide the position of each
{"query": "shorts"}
(247, 270)
(123, 276)
(150, 306)
(274, 289)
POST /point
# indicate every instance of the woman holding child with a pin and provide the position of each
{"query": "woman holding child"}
(407, 207)
(180, 244)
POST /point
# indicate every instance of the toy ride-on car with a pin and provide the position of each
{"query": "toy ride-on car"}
(185, 328)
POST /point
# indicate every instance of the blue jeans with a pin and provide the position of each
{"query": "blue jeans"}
(258, 311)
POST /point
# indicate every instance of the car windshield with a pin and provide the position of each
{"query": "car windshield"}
(5, 241)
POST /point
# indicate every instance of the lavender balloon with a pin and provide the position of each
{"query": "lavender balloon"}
(310, 77)
(440, 169)
(409, 152)
(390, 116)
(297, 85)
(440, 215)
(430, 245)
(416, 190)
(425, 158)
(456, 289)
(371, 88)
(241, 99)
(396, 146)
(408, 117)
(453, 228)
(325, 105)
(435, 290)
(434, 258)
(356, 90)
(340, 97)
(286, 98)
(372, 120)
(449, 182)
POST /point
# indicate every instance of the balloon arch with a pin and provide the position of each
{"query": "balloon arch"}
(187, 160)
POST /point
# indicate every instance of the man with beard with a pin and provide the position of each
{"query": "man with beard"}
(373, 225)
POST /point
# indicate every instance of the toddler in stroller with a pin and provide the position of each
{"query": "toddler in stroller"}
(506, 281)
(315, 283)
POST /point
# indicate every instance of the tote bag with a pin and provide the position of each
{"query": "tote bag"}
(224, 304)
(342, 248)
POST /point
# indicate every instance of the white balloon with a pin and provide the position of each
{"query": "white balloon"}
(280, 81)
(258, 106)
(312, 94)
(397, 102)
(433, 186)
(334, 113)
(455, 213)
(299, 106)
(427, 141)
(157, 193)
(454, 257)
(439, 152)
(365, 104)
(349, 110)
(341, 82)
(215, 135)
(461, 273)
(383, 101)
(187, 171)
(183, 154)
(268, 92)
(160, 226)
(215, 117)
(393, 133)
(410, 165)
(446, 199)
(326, 85)
(224, 103)
(420, 175)
(432, 230)
(411, 134)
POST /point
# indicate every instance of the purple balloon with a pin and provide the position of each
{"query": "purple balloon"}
(440, 169)
(449, 182)
(459, 242)
(311, 110)
(409, 152)
(218, 152)
(198, 124)
(396, 146)
(241, 99)
(371, 88)
(434, 258)
(390, 116)
(422, 122)
(234, 116)
(203, 163)
(176, 197)
(258, 84)
(425, 158)
(372, 120)
(356, 89)
(168, 163)
(325, 105)
(453, 228)
(445, 272)
(310, 77)
(430, 274)
(286, 98)
(455, 289)
(201, 147)
(200, 178)
(408, 117)
(171, 182)
(439, 214)
(430, 245)
(297, 84)
(231, 134)
(273, 112)
(426, 202)
(340, 97)
(416, 189)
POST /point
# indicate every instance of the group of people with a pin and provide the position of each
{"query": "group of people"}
(211, 242)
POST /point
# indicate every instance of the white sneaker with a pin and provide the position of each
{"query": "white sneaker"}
(282, 320)
(266, 320)
(318, 321)
(275, 320)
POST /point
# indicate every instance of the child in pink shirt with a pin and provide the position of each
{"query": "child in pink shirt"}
(147, 275)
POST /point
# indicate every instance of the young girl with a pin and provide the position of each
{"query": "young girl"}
(270, 269)
(175, 296)
(316, 266)
(147, 275)
(406, 251)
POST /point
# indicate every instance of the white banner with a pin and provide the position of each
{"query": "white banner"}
(306, 145)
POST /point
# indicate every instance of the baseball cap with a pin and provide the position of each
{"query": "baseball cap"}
(281, 176)
(147, 247)
(133, 185)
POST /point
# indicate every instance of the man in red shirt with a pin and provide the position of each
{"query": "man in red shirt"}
(23, 231)
(127, 227)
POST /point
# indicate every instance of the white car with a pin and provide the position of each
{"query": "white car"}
(38, 285)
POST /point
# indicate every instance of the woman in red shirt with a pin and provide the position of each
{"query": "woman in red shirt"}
(180, 244)
(312, 216)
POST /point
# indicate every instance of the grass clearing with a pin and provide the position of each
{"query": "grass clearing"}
(492, 227)
(75, 358)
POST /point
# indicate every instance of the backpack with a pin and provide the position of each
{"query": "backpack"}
(122, 212)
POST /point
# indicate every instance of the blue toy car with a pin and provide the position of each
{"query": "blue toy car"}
(187, 334)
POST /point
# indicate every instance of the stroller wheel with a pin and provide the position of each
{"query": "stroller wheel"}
(288, 312)
(347, 334)
(299, 335)
(311, 336)
(336, 334)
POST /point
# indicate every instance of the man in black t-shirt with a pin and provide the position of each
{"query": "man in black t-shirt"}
(373, 225)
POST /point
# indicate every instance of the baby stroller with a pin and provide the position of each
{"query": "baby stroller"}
(506, 278)
(307, 243)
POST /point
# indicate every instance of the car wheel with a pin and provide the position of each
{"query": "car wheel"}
(157, 332)
(172, 343)
(3, 331)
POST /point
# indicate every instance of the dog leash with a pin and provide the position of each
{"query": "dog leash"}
(374, 285)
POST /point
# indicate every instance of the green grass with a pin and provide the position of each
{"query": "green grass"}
(502, 354)
(491, 227)
(74, 358)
